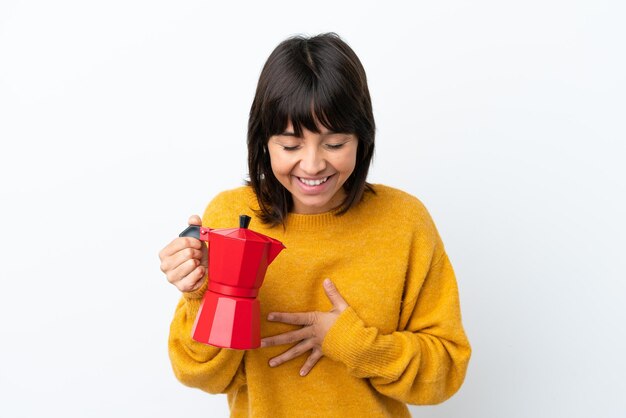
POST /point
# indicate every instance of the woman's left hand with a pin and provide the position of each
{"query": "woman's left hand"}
(311, 335)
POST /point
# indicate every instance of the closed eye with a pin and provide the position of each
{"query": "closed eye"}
(335, 146)
(286, 148)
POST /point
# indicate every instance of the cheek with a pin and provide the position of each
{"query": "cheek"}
(347, 163)
(280, 167)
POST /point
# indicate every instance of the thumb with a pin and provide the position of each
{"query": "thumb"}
(333, 295)
(194, 220)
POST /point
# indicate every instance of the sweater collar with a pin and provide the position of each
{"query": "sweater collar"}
(299, 221)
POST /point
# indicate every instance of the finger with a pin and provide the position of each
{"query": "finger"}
(192, 281)
(311, 361)
(178, 244)
(294, 318)
(334, 296)
(288, 337)
(194, 220)
(179, 273)
(292, 353)
(173, 261)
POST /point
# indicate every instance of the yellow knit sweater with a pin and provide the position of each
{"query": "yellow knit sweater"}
(400, 341)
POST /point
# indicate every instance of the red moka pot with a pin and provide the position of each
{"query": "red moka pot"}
(229, 315)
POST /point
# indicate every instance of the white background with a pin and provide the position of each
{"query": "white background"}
(119, 119)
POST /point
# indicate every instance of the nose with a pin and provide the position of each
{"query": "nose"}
(313, 161)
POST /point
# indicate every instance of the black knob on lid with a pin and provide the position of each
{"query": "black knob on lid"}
(244, 221)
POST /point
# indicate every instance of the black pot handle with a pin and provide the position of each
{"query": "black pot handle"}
(192, 231)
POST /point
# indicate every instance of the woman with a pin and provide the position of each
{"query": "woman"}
(360, 315)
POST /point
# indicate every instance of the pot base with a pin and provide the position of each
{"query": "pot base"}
(228, 322)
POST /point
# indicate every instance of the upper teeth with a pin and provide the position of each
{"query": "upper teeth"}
(313, 182)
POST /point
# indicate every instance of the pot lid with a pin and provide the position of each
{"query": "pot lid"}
(243, 233)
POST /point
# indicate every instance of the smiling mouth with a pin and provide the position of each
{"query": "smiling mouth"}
(316, 182)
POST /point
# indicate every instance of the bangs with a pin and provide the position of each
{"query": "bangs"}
(310, 109)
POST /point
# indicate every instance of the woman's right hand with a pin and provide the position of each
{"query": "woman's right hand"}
(185, 261)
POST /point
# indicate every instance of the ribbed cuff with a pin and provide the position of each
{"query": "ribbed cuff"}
(343, 342)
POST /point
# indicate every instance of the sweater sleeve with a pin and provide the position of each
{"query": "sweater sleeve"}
(425, 360)
(212, 369)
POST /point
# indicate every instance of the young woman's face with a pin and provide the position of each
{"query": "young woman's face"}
(313, 167)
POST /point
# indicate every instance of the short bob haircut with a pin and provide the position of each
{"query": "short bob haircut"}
(308, 81)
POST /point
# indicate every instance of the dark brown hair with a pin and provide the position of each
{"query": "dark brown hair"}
(309, 81)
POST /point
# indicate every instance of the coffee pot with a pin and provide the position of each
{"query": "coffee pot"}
(229, 315)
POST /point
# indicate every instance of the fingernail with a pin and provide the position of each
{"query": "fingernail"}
(262, 343)
(327, 282)
(302, 373)
(270, 317)
(272, 363)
